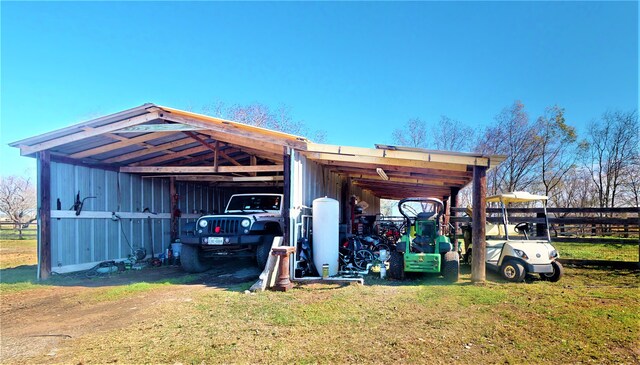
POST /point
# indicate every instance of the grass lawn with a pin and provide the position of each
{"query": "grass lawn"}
(589, 316)
(598, 251)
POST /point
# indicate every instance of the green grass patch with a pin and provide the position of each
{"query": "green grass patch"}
(598, 251)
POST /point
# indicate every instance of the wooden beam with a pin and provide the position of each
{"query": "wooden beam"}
(478, 272)
(216, 152)
(231, 129)
(27, 150)
(431, 156)
(170, 156)
(398, 180)
(253, 161)
(244, 142)
(337, 160)
(218, 178)
(44, 215)
(165, 127)
(123, 143)
(198, 169)
(406, 172)
(165, 147)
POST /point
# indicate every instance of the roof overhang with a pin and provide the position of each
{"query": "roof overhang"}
(160, 141)
(395, 172)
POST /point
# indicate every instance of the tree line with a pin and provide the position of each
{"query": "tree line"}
(545, 155)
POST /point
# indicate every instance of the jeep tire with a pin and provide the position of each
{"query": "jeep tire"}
(263, 250)
(190, 259)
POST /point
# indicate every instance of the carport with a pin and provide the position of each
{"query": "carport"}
(133, 178)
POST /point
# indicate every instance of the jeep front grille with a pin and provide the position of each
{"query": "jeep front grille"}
(227, 225)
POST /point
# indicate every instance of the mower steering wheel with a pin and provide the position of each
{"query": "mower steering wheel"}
(522, 227)
(410, 209)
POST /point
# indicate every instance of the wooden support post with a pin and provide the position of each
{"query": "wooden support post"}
(286, 191)
(215, 156)
(446, 215)
(478, 271)
(173, 199)
(44, 214)
(454, 204)
(253, 161)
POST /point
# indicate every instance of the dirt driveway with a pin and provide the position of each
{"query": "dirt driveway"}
(37, 320)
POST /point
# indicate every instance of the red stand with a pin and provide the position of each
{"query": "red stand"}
(283, 283)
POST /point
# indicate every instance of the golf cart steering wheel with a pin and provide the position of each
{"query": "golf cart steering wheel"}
(522, 227)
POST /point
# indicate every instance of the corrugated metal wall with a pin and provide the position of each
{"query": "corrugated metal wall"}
(318, 181)
(77, 241)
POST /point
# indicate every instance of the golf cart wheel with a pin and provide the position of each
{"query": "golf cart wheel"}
(396, 265)
(191, 261)
(557, 273)
(263, 251)
(512, 271)
(451, 267)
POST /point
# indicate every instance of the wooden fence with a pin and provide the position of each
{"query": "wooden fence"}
(584, 225)
(9, 230)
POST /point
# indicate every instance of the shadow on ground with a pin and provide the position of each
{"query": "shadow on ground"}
(238, 274)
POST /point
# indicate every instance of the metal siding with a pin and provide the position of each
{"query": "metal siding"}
(67, 229)
(84, 244)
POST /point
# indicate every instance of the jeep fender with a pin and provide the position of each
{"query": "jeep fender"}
(267, 227)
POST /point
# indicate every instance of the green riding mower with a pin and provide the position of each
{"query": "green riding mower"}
(422, 247)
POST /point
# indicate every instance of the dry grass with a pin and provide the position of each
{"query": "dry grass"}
(590, 316)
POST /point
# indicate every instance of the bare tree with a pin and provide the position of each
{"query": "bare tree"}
(18, 201)
(609, 152)
(412, 134)
(514, 136)
(452, 135)
(263, 116)
(557, 148)
(575, 190)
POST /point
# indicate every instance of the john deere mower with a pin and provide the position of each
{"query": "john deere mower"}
(423, 248)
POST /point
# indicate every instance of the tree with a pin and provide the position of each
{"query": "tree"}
(452, 135)
(18, 201)
(515, 137)
(609, 152)
(557, 148)
(263, 116)
(413, 134)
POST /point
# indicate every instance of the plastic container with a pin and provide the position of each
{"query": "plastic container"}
(176, 247)
(325, 233)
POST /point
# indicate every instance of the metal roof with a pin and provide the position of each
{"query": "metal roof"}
(154, 139)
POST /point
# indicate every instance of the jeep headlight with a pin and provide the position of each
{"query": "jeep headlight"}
(553, 254)
(203, 223)
(521, 254)
(245, 223)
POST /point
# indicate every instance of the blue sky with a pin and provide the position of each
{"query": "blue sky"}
(357, 70)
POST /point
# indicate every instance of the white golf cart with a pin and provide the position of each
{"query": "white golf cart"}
(510, 249)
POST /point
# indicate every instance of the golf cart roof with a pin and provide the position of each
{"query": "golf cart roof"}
(515, 197)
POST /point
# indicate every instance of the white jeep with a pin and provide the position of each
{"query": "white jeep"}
(246, 228)
(510, 249)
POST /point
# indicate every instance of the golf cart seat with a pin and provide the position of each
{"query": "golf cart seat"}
(498, 230)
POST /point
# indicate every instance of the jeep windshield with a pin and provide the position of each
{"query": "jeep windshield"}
(254, 203)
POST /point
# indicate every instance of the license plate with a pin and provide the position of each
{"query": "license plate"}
(215, 240)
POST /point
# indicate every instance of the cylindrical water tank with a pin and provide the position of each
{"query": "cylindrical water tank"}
(325, 234)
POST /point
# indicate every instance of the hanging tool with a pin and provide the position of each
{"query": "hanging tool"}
(78, 204)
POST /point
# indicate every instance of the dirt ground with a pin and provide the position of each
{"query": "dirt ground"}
(37, 321)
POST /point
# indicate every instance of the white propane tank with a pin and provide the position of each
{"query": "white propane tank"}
(325, 234)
